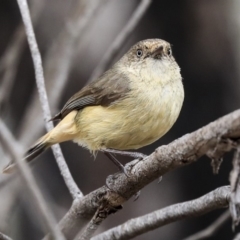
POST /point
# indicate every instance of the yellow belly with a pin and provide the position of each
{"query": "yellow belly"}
(132, 123)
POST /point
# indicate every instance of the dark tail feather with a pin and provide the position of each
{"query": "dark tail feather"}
(35, 151)
(32, 153)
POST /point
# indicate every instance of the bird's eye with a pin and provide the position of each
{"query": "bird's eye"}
(139, 53)
(169, 52)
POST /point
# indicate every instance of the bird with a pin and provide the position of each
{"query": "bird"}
(131, 105)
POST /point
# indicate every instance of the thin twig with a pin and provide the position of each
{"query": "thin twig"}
(15, 152)
(9, 60)
(212, 228)
(120, 39)
(58, 62)
(4, 237)
(6, 180)
(214, 200)
(76, 27)
(92, 226)
(9, 64)
(37, 61)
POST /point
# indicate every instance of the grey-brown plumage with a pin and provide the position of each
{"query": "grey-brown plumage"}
(110, 87)
(130, 106)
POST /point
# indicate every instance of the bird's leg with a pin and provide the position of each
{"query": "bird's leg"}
(116, 162)
(120, 166)
(135, 155)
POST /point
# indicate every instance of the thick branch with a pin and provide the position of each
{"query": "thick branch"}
(180, 152)
(37, 61)
(218, 198)
(15, 152)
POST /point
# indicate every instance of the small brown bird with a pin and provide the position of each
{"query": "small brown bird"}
(131, 105)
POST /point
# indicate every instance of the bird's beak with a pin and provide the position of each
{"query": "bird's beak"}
(158, 52)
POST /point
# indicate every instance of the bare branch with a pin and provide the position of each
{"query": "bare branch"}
(211, 229)
(120, 39)
(15, 152)
(235, 185)
(180, 152)
(4, 181)
(216, 199)
(11, 56)
(4, 237)
(61, 53)
(9, 64)
(37, 61)
(58, 63)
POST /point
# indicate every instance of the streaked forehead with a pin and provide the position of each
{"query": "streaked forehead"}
(152, 43)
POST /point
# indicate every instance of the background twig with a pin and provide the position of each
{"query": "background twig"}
(120, 39)
(237, 237)
(58, 62)
(37, 61)
(4, 237)
(15, 152)
(212, 228)
(10, 59)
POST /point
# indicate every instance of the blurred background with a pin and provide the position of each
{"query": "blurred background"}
(206, 43)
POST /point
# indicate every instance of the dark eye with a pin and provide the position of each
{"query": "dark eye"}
(169, 52)
(139, 53)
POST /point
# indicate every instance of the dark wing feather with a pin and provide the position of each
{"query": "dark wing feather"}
(110, 87)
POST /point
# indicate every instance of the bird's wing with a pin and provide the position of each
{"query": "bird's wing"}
(110, 87)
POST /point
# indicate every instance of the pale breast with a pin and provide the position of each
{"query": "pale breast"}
(155, 113)
(141, 118)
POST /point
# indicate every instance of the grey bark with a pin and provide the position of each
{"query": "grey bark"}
(180, 152)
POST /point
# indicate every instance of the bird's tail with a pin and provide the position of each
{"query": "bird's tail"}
(41, 145)
(64, 131)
